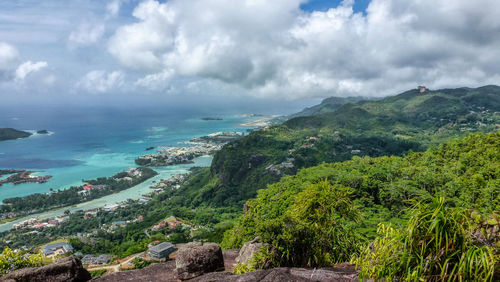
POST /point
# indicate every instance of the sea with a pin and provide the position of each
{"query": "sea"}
(90, 142)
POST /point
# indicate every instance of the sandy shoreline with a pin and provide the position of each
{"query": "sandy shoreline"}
(261, 122)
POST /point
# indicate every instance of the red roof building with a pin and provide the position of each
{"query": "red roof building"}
(88, 187)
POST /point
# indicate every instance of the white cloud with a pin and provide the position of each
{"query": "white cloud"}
(272, 48)
(8, 57)
(28, 67)
(100, 81)
(86, 34)
(156, 81)
(113, 8)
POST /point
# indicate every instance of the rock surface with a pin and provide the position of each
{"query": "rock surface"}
(157, 272)
(248, 250)
(340, 274)
(68, 269)
(195, 259)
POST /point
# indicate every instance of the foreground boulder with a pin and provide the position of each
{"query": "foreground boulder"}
(249, 249)
(195, 259)
(68, 269)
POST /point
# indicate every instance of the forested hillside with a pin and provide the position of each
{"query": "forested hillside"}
(391, 126)
(328, 213)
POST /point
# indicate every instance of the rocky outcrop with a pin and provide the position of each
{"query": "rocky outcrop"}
(157, 272)
(195, 259)
(340, 274)
(68, 269)
(256, 160)
(249, 249)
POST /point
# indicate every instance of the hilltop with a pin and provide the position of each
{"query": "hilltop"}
(410, 121)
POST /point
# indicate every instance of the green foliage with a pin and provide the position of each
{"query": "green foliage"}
(12, 260)
(310, 218)
(97, 273)
(314, 227)
(411, 121)
(436, 243)
(264, 258)
(140, 263)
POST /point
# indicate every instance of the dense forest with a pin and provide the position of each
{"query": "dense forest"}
(328, 213)
(411, 121)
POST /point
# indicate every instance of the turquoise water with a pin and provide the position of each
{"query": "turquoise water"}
(91, 143)
(134, 193)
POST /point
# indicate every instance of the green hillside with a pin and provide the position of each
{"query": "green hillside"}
(328, 213)
(391, 126)
(327, 105)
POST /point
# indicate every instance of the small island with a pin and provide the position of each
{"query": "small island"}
(11, 134)
(20, 176)
(43, 131)
(211, 118)
(197, 147)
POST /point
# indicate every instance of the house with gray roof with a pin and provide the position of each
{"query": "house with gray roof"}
(56, 249)
(161, 250)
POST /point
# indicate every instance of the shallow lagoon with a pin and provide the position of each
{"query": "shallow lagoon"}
(87, 145)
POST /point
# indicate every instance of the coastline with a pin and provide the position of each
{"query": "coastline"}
(134, 193)
(260, 122)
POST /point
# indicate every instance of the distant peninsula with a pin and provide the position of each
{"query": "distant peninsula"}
(19, 176)
(211, 118)
(11, 133)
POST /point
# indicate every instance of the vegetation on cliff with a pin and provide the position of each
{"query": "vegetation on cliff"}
(439, 242)
(312, 218)
(391, 126)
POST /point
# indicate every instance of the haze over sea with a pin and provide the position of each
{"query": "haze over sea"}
(87, 143)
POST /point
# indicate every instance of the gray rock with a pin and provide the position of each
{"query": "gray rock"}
(68, 269)
(195, 259)
(285, 275)
(249, 249)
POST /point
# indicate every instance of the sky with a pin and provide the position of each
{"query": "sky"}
(209, 51)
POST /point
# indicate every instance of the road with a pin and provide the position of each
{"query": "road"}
(123, 263)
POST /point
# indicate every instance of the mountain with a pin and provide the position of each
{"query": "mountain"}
(327, 105)
(11, 133)
(410, 121)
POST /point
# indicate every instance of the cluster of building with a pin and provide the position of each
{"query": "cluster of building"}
(174, 182)
(94, 260)
(285, 167)
(37, 223)
(171, 222)
(200, 146)
(87, 188)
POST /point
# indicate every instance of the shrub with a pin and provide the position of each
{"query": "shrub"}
(435, 244)
(12, 260)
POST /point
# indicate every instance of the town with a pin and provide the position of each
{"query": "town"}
(200, 146)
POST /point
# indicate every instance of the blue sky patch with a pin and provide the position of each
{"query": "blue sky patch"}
(323, 5)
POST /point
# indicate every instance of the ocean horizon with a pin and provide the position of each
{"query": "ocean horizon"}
(86, 143)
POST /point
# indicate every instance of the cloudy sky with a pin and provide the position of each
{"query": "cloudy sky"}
(56, 50)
